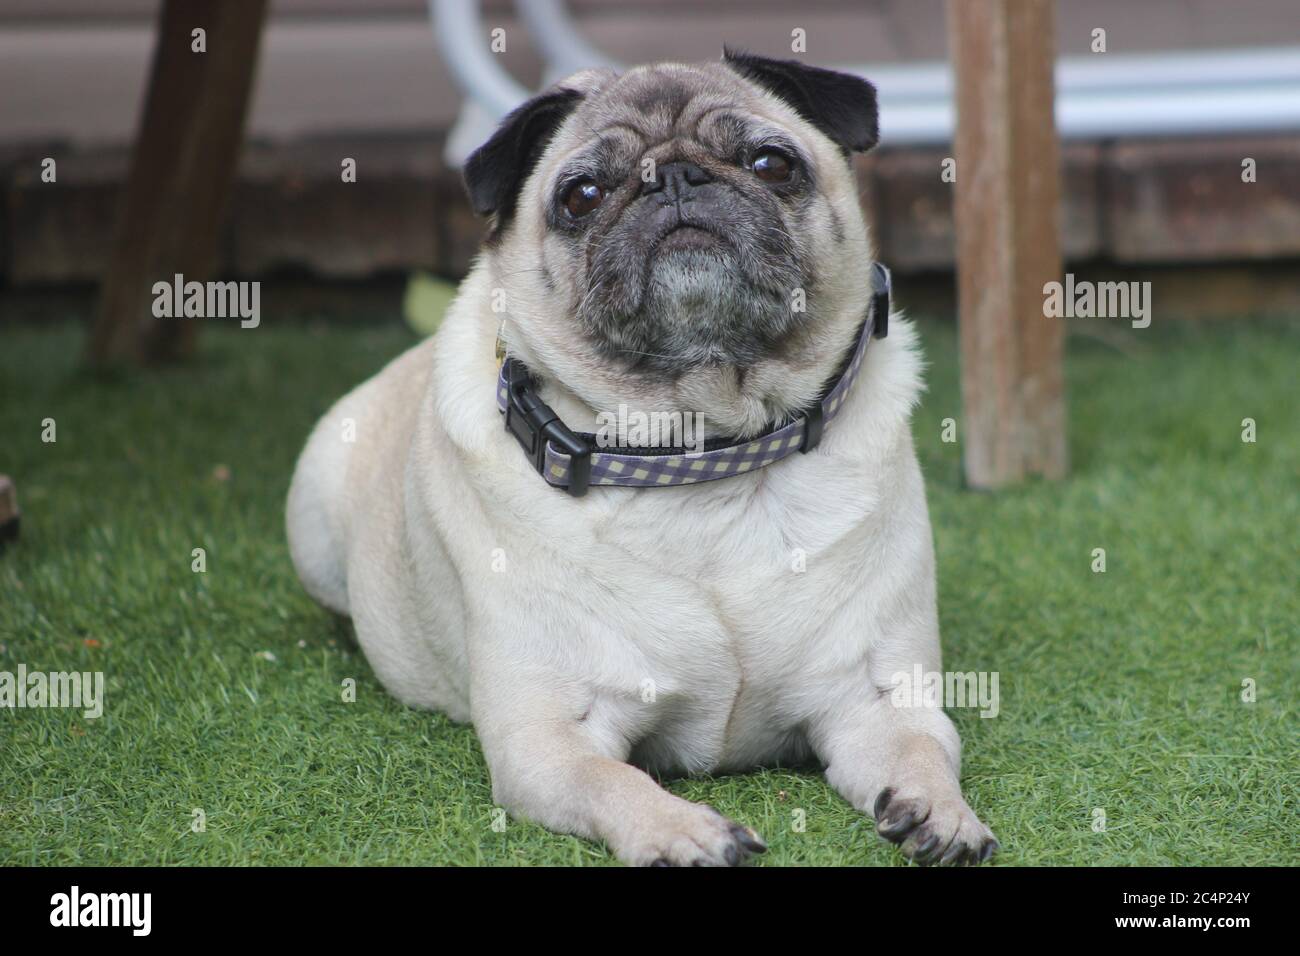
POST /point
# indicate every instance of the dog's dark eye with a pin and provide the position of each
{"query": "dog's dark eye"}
(772, 167)
(583, 197)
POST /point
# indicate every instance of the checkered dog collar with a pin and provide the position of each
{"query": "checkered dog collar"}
(574, 461)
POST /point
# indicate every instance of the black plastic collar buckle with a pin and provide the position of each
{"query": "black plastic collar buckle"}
(813, 423)
(880, 300)
(535, 424)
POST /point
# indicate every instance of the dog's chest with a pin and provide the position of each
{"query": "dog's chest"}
(736, 616)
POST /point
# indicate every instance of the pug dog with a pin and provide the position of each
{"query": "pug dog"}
(670, 239)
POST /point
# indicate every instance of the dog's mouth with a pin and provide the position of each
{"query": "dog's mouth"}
(697, 292)
(686, 235)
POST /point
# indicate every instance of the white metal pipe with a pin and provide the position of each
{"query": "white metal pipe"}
(1256, 109)
(1116, 72)
(1107, 96)
(559, 39)
(463, 41)
(1120, 116)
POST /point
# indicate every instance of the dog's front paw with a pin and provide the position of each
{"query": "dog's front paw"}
(943, 831)
(690, 834)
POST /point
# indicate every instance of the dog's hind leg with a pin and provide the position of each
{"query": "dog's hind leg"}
(314, 514)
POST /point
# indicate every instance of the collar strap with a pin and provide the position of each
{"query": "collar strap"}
(572, 461)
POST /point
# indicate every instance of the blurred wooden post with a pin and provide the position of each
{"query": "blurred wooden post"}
(1008, 239)
(182, 167)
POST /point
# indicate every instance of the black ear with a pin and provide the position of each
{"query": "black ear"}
(841, 105)
(496, 170)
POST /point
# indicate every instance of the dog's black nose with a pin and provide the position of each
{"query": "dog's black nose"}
(675, 180)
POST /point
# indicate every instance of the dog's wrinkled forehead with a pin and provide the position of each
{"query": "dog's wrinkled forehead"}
(666, 100)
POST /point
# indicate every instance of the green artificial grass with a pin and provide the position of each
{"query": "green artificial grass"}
(1119, 691)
